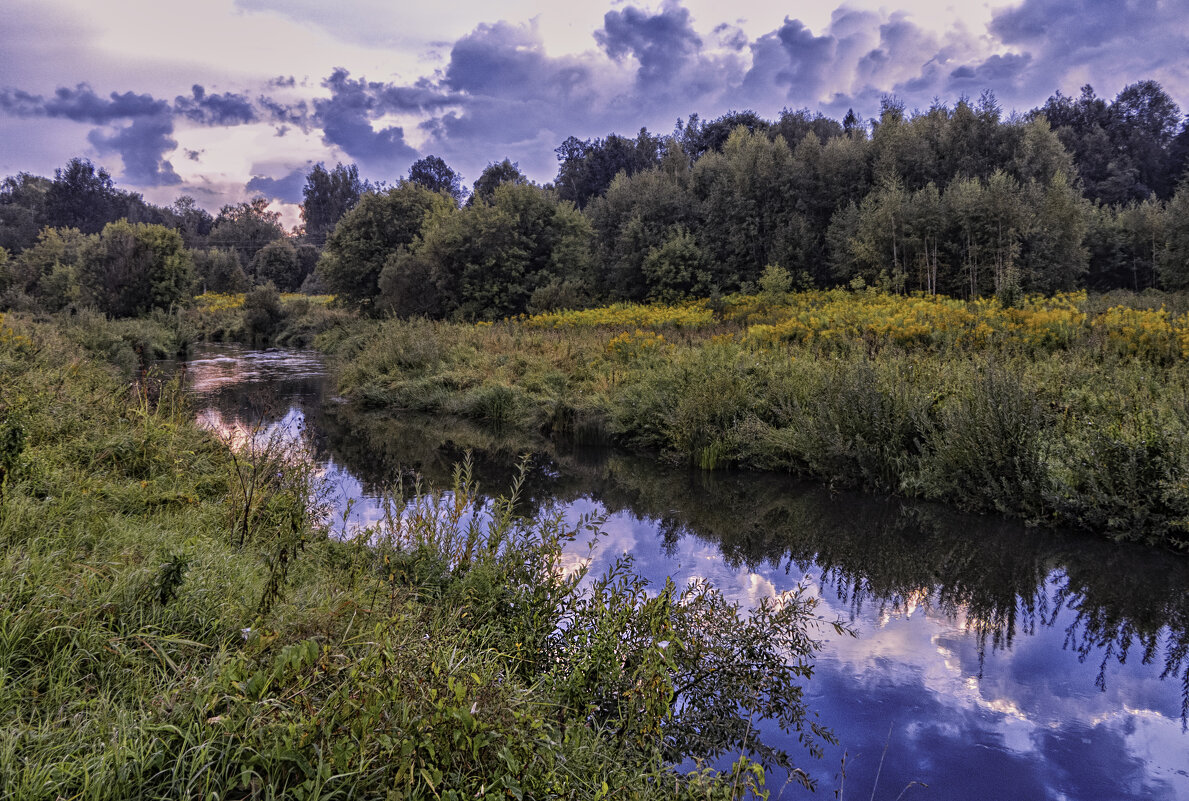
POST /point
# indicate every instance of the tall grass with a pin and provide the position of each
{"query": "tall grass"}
(177, 622)
(1062, 411)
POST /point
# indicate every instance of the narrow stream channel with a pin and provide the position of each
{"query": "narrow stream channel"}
(992, 661)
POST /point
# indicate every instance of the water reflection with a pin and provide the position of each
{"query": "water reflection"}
(993, 661)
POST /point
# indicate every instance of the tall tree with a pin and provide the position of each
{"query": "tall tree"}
(436, 175)
(218, 270)
(136, 267)
(245, 228)
(192, 221)
(380, 224)
(23, 200)
(277, 263)
(326, 197)
(587, 167)
(487, 261)
(637, 214)
(506, 172)
(1174, 258)
(697, 138)
(748, 215)
(1144, 122)
(82, 196)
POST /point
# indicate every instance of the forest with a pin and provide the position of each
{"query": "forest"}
(965, 201)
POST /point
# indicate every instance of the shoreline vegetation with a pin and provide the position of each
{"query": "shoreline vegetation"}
(178, 620)
(1067, 411)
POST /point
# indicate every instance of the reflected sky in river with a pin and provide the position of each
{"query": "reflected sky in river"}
(991, 661)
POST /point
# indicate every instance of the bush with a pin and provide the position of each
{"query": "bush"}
(262, 312)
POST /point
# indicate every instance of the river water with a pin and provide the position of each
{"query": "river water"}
(991, 661)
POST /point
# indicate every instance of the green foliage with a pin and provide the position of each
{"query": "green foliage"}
(377, 228)
(135, 268)
(485, 261)
(245, 228)
(277, 263)
(677, 269)
(175, 622)
(506, 172)
(262, 312)
(1174, 260)
(327, 196)
(432, 173)
(1051, 412)
(219, 271)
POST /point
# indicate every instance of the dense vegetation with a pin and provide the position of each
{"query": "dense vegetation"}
(1065, 410)
(176, 622)
(961, 201)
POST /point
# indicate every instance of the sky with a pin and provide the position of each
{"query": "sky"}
(229, 99)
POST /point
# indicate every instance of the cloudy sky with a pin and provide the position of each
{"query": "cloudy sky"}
(226, 99)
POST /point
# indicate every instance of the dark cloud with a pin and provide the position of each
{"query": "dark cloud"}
(81, 104)
(1075, 24)
(346, 121)
(215, 109)
(662, 43)
(1109, 43)
(1002, 73)
(283, 82)
(502, 60)
(296, 114)
(288, 188)
(141, 145)
(790, 61)
(194, 155)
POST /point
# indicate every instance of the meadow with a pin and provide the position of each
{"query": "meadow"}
(1070, 410)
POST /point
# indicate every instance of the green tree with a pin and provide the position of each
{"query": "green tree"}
(246, 228)
(1174, 257)
(962, 209)
(192, 221)
(636, 215)
(506, 172)
(749, 218)
(326, 197)
(46, 275)
(879, 245)
(1054, 256)
(587, 167)
(486, 261)
(262, 311)
(22, 210)
(278, 263)
(82, 196)
(136, 267)
(218, 270)
(436, 175)
(1142, 229)
(677, 268)
(367, 236)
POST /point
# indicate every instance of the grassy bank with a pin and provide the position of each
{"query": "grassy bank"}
(263, 317)
(175, 622)
(1068, 411)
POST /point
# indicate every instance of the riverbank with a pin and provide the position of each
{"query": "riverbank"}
(176, 621)
(1065, 411)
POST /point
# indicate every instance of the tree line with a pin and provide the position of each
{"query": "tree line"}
(961, 200)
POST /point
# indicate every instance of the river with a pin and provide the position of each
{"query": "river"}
(991, 661)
